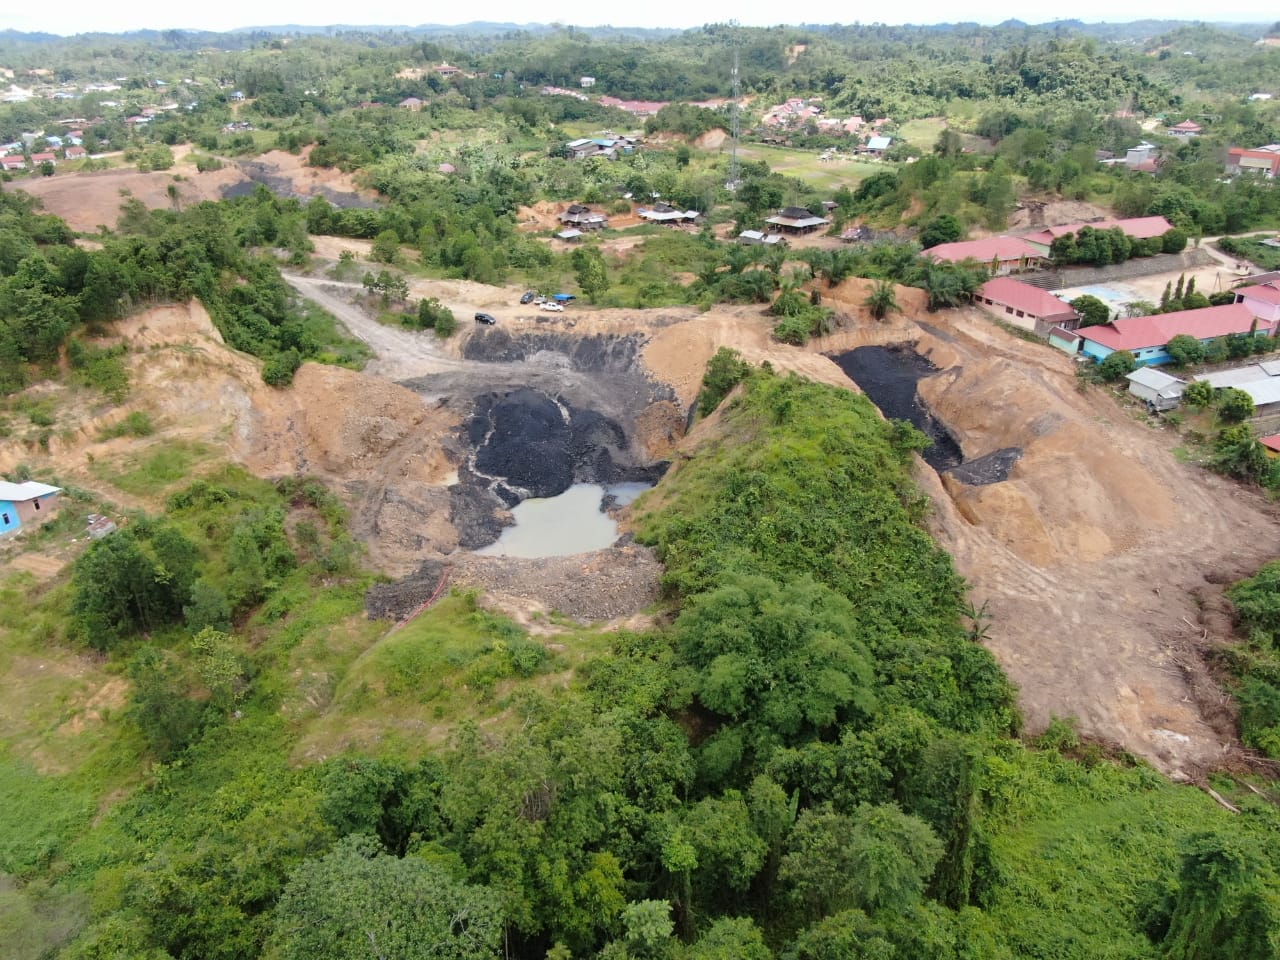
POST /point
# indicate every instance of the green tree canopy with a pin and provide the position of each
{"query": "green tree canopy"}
(1185, 350)
(356, 902)
(782, 659)
(1092, 310)
(875, 858)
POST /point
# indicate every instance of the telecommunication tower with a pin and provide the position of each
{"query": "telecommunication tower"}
(734, 126)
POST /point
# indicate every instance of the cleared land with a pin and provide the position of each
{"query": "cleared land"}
(841, 170)
(1099, 560)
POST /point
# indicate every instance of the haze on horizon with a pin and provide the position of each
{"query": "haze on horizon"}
(82, 16)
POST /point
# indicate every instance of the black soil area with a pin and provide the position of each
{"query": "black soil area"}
(888, 376)
(261, 173)
(538, 446)
(542, 410)
(395, 601)
(993, 468)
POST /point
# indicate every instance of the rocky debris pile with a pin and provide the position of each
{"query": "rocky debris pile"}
(590, 587)
(475, 512)
(396, 600)
(993, 468)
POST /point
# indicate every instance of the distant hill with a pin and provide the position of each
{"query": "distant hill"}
(1133, 30)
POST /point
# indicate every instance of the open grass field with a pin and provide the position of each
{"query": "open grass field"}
(922, 134)
(805, 165)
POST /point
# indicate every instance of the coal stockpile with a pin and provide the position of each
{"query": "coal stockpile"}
(535, 445)
(993, 468)
(888, 376)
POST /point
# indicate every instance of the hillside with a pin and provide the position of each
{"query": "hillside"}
(462, 502)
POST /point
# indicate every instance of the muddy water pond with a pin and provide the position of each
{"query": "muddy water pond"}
(573, 522)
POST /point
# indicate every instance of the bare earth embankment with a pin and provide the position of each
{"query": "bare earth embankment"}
(1100, 559)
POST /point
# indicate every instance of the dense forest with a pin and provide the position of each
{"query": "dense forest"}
(808, 754)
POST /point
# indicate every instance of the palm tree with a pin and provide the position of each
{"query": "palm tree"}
(881, 300)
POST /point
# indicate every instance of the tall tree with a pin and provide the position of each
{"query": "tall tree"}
(359, 902)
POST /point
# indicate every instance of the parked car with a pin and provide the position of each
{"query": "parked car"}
(552, 306)
(486, 318)
(527, 296)
(539, 299)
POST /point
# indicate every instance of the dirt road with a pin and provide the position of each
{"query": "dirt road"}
(400, 354)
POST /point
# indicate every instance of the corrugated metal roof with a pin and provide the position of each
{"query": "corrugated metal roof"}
(984, 251)
(1237, 375)
(21, 492)
(1153, 378)
(1263, 392)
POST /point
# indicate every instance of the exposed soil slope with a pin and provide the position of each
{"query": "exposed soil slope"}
(89, 200)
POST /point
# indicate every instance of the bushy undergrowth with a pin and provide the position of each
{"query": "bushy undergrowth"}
(814, 760)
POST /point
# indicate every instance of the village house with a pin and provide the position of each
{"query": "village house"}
(1026, 306)
(75, 153)
(793, 112)
(584, 218)
(665, 213)
(13, 163)
(44, 157)
(586, 82)
(1135, 228)
(1147, 337)
(410, 103)
(609, 147)
(876, 146)
(1068, 341)
(1263, 160)
(1262, 299)
(25, 503)
(1157, 388)
(1142, 157)
(1261, 381)
(1001, 255)
(1185, 129)
(796, 220)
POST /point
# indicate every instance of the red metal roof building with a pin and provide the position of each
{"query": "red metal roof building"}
(1265, 160)
(1262, 299)
(1146, 337)
(1004, 255)
(1136, 228)
(1026, 306)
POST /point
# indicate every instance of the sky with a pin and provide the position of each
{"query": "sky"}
(84, 16)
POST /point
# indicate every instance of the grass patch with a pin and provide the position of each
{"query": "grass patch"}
(137, 424)
(403, 695)
(334, 343)
(805, 165)
(38, 816)
(922, 133)
(153, 471)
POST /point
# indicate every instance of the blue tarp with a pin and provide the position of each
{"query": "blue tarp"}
(563, 297)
